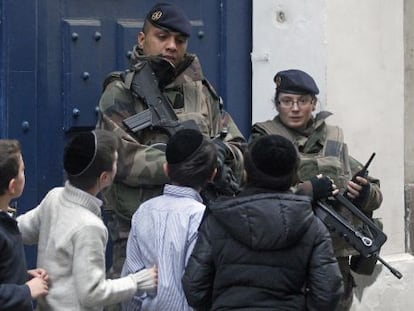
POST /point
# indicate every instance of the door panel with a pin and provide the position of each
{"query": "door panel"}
(126, 34)
(55, 56)
(82, 56)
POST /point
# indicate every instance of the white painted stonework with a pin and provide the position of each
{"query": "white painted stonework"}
(383, 291)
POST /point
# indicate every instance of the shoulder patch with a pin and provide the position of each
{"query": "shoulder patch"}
(113, 76)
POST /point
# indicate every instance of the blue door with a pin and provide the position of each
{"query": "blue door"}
(56, 54)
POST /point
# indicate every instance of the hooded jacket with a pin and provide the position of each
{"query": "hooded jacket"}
(263, 251)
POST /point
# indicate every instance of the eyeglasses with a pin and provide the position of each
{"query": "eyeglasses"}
(289, 102)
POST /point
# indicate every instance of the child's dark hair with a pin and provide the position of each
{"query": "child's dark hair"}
(196, 170)
(271, 162)
(88, 155)
(9, 162)
(191, 159)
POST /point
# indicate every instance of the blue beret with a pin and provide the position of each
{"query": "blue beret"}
(182, 145)
(295, 81)
(168, 15)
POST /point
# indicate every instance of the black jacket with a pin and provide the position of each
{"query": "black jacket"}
(14, 293)
(263, 251)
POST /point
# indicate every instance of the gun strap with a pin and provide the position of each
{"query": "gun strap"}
(210, 88)
(128, 79)
(149, 75)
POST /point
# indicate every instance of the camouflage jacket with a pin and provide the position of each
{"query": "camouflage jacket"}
(140, 174)
(322, 150)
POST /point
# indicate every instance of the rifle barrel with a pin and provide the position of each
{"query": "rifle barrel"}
(394, 271)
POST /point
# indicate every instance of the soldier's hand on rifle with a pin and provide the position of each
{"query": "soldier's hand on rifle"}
(358, 189)
(323, 187)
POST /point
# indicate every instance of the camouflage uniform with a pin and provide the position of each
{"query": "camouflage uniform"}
(140, 174)
(322, 150)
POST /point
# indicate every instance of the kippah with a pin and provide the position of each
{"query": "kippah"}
(182, 145)
(169, 16)
(274, 155)
(79, 153)
(296, 82)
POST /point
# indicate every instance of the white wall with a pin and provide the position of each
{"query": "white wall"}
(355, 51)
(365, 74)
(286, 35)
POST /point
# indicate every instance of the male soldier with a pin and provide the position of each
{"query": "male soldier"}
(162, 45)
(322, 150)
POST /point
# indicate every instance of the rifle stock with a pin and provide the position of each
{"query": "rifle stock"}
(366, 240)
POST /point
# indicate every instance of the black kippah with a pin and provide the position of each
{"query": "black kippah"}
(79, 153)
(270, 162)
(274, 155)
(182, 145)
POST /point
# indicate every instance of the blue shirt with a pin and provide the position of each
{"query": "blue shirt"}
(163, 232)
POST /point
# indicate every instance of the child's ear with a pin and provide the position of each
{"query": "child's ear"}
(12, 186)
(105, 178)
(165, 168)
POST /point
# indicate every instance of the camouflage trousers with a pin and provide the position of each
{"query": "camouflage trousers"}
(118, 231)
(345, 302)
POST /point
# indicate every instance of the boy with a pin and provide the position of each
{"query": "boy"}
(264, 249)
(71, 235)
(164, 228)
(16, 293)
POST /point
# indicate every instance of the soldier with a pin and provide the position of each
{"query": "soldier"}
(162, 43)
(322, 150)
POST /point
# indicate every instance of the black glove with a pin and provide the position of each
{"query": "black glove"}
(225, 181)
(363, 195)
(322, 187)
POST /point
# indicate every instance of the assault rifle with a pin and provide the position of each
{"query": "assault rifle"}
(366, 239)
(147, 85)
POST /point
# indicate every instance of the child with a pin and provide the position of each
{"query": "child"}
(164, 229)
(16, 293)
(71, 235)
(265, 249)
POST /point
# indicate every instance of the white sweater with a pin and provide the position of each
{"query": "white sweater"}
(71, 240)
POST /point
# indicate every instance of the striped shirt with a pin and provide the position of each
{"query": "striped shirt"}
(163, 232)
